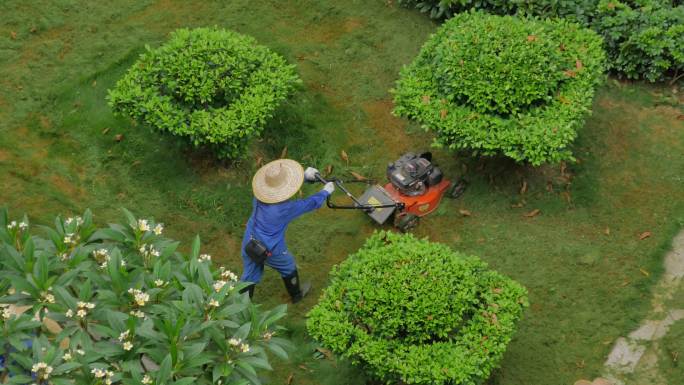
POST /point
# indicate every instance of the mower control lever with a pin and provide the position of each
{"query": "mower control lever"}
(369, 208)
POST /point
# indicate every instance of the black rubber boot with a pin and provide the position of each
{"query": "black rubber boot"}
(249, 289)
(293, 287)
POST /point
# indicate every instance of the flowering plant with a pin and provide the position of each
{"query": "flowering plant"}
(122, 305)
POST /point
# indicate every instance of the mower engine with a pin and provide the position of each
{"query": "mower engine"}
(415, 188)
(413, 174)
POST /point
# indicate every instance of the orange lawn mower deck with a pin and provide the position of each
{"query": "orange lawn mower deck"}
(415, 190)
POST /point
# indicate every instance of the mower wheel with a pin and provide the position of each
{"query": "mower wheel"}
(458, 189)
(407, 222)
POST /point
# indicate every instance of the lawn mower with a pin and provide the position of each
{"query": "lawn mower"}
(415, 189)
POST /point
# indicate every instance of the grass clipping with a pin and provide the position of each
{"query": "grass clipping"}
(501, 85)
(418, 312)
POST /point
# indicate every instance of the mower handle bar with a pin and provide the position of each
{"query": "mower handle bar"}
(357, 205)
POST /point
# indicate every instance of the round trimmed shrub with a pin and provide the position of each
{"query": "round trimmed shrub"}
(503, 85)
(215, 87)
(418, 312)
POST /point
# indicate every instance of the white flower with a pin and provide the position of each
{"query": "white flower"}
(205, 258)
(218, 285)
(12, 225)
(127, 346)
(146, 380)
(68, 221)
(23, 226)
(42, 370)
(158, 229)
(64, 256)
(159, 282)
(66, 356)
(80, 304)
(227, 274)
(123, 335)
(155, 252)
(234, 341)
(49, 298)
(143, 225)
(81, 313)
(123, 263)
(213, 303)
(139, 296)
(69, 313)
(90, 305)
(99, 373)
(6, 313)
(244, 348)
(142, 249)
(268, 335)
(138, 314)
(70, 238)
(80, 352)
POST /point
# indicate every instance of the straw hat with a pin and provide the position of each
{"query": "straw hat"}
(277, 181)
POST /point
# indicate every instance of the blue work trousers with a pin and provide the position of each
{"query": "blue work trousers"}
(283, 263)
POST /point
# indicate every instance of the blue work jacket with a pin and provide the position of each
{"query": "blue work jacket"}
(268, 222)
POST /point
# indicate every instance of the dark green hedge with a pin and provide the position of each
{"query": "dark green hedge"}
(644, 39)
(215, 87)
(409, 310)
(503, 85)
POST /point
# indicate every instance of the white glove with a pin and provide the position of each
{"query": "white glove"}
(310, 174)
(329, 187)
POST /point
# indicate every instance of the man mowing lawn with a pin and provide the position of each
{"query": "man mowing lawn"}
(264, 240)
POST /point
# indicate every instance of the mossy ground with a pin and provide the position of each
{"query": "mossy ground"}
(588, 272)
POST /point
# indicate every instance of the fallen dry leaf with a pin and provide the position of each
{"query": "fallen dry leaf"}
(344, 156)
(680, 117)
(426, 99)
(644, 272)
(531, 37)
(523, 188)
(105, 131)
(578, 64)
(94, 83)
(518, 205)
(327, 353)
(566, 196)
(329, 170)
(561, 47)
(33, 29)
(283, 154)
(290, 378)
(465, 213)
(549, 186)
(259, 161)
(303, 367)
(443, 113)
(563, 99)
(533, 213)
(13, 35)
(570, 73)
(607, 231)
(118, 137)
(645, 235)
(358, 176)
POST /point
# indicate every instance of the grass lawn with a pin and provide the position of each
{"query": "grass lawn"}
(581, 258)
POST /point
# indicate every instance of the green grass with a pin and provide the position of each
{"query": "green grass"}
(58, 155)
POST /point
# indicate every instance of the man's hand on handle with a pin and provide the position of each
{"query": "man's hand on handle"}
(329, 187)
(310, 174)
